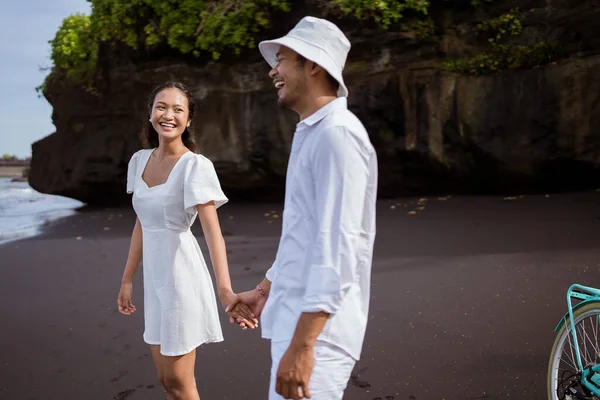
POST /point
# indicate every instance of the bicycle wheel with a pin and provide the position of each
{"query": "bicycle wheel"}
(562, 367)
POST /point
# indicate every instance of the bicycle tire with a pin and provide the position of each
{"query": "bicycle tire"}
(587, 310)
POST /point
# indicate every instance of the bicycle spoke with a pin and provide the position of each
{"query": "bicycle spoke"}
(581, 341)
(571, 347)
(572, 367)
(568, 357)
(591, 358)
(596, 335)
(592, 345)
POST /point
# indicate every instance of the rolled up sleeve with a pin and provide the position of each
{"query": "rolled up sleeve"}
(340, 174)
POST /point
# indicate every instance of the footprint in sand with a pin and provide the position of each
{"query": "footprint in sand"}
(119, 334)
(124, 394)
(121, 374)
(359, 382)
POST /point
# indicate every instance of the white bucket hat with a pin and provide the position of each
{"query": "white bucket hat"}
(317, 40)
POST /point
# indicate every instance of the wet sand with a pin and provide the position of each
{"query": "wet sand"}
(465, 297)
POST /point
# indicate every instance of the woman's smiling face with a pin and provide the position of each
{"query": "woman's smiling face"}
(170, 113)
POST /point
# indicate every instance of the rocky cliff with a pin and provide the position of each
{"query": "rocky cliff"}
(519, 130)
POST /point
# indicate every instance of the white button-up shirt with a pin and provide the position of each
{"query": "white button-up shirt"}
(324, 258)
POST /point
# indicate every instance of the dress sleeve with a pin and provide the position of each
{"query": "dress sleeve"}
(201, 184)
(132, 172)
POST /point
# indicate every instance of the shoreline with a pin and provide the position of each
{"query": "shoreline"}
(24, 212)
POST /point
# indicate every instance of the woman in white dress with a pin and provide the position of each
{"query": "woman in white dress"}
(171, 185)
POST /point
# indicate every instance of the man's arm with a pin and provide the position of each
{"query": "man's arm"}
(340, 168)
(308, 329)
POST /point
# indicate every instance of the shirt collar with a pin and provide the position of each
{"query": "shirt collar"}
(337, 104)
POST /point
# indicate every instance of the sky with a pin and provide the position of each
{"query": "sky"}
(26, 26)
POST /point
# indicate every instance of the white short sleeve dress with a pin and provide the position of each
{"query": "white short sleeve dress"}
(180, 306)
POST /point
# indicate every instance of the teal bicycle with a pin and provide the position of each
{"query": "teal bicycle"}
(574, 367)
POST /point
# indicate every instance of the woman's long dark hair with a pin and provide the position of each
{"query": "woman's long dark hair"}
(149, 136)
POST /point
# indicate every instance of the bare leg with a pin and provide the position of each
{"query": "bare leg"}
(158, 363)
(176, 374)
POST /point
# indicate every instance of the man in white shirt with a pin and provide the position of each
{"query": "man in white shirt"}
(314, 300)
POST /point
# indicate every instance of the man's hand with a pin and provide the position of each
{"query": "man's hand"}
(296, 365)
(253, 299)
(293, 374)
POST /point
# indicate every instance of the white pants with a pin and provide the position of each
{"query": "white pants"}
(330, 375)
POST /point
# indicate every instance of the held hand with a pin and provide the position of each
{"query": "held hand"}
(242, 313)
(293, 374)
(124, 299)
(238, 310)
(254, 300)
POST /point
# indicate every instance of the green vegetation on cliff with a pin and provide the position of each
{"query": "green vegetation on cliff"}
(383, 12)
(501, 54)
(213, 27)
(75, 48)
(189, 26)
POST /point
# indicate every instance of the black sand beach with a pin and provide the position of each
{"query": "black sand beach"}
(465, 297)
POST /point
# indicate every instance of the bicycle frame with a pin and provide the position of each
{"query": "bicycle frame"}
(589, 378)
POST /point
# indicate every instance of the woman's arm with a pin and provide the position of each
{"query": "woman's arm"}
(133, 261)
(218, 254)
(216, 246)
(135, 253)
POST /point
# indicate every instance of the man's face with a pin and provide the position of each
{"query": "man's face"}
(289, 78)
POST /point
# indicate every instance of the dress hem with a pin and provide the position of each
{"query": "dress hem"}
(217, 339)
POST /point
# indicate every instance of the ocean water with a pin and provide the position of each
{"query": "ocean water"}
(24, 211)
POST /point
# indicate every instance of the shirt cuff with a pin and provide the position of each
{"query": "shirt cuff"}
(270, 274)
(323, 292)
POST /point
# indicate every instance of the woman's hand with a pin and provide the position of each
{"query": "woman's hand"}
(235, 308)
(228, 298)
(124, 299)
